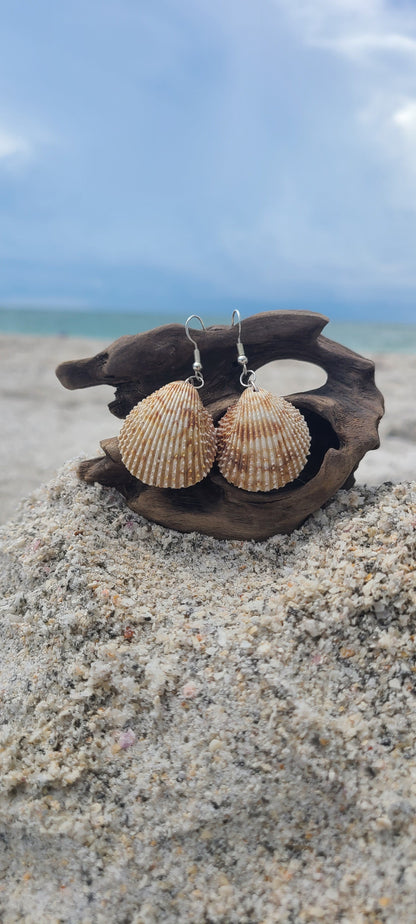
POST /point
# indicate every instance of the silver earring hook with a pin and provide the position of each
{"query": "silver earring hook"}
(242, 358)
(197, 379)
(191, 317)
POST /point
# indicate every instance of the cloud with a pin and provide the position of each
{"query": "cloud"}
(375, 42)
(354, 29)
(362, 44)
(405, 116)
(13, 146)
(335, 208)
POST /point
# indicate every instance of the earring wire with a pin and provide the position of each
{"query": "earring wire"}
(242, 358)
(197, 379)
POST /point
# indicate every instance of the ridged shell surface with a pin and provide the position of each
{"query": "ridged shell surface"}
(168, 440)
(263, 442)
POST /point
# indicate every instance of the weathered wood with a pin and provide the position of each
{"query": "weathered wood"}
(342, 416)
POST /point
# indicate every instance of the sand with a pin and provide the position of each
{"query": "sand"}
(195, 730)
(206, 731)
(44, 425)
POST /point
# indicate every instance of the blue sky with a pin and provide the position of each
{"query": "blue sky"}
(175, 154)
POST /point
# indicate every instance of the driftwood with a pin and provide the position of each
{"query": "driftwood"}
(342, 416)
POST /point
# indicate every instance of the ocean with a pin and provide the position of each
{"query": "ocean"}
(108, 325)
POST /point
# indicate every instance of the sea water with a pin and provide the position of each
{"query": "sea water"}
(108, 325)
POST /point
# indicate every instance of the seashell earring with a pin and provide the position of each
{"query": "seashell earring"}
(168, 440)
(263, 441)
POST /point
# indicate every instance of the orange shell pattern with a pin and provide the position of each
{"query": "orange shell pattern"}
(263, 442)
(168, 440)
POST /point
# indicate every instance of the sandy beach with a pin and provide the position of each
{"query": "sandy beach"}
(198, 730)
(44, 425)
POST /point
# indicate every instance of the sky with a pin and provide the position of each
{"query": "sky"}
(167, 155)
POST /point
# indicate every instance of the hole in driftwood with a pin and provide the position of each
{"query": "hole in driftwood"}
(289, 376)
(323, 437)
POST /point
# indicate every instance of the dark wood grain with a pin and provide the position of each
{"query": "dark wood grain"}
(343, 417)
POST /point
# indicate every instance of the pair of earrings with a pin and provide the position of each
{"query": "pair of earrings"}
(169, 440)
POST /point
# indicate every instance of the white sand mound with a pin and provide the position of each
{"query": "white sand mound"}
(206, 731)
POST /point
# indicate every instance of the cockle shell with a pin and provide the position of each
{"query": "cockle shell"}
(263, 442)
(168, 440)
